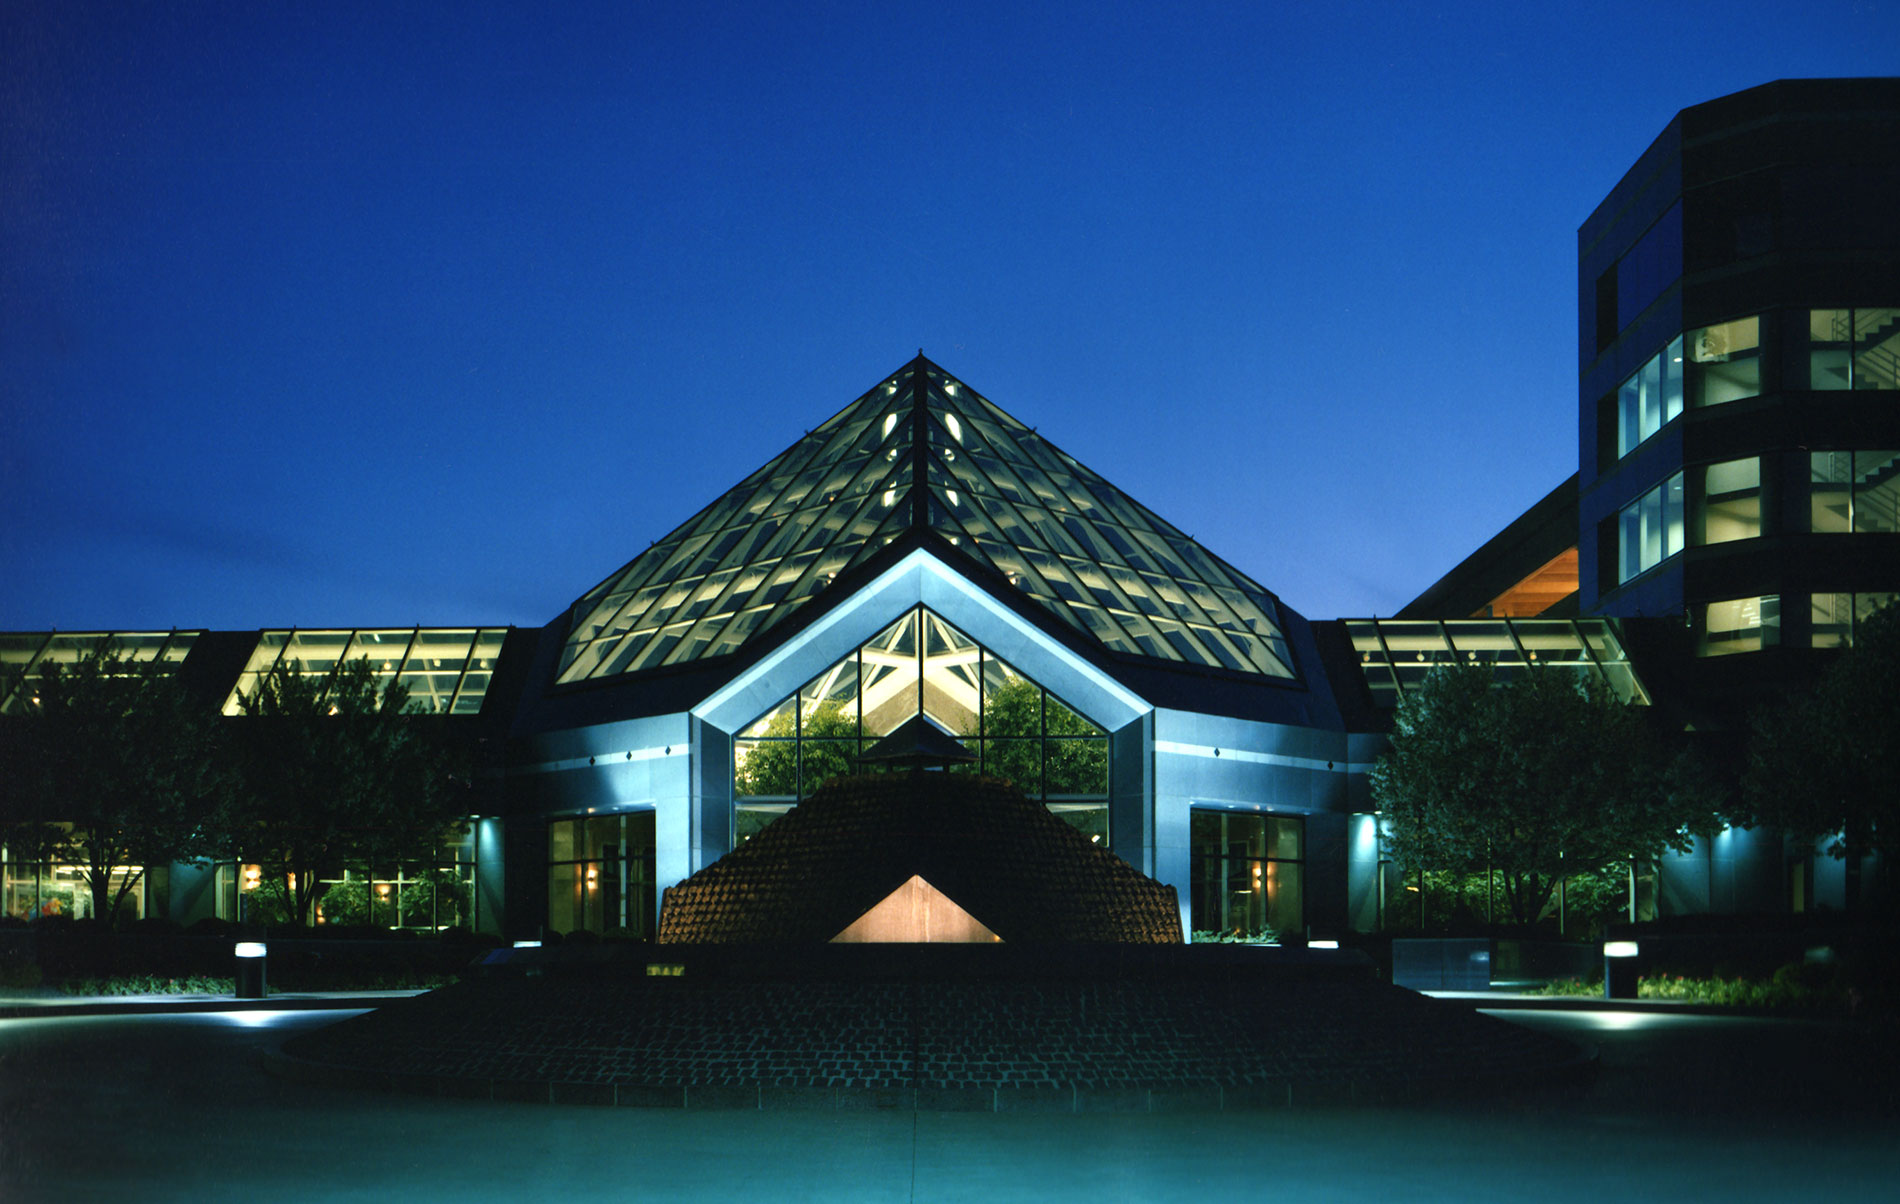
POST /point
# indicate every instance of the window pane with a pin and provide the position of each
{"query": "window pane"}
(1672, 512)
(1730, 503)
(1725, 362)
(1651, 386)
(1830, 620)
(1830, 498)
(1076, 766)
(1830, 334)
(1741, 625)
(1877, 349)
(1877, 491)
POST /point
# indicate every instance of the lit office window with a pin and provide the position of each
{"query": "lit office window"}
(1737, 625)
(1649, 399)
(1724, 362)
(1833, 619)
(1854, 348)
(1728, 501)
(1856, 491)
(1650, 529)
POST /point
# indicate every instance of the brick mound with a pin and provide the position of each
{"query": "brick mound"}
(1023, 872)
(1073, 1038)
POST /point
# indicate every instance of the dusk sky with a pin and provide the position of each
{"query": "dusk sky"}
(382, 314)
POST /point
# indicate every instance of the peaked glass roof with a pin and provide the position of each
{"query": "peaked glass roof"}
(922, 451)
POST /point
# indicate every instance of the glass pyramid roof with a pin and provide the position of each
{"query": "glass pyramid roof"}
(923, 452)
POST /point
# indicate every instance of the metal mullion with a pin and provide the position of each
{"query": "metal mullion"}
(1510, 629)
(409, 650)
(1385, 649)
(468, 662)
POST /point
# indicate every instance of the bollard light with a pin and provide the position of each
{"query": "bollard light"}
(1619, 970)
(250, 969)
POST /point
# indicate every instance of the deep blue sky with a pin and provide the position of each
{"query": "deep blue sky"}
(327, 314)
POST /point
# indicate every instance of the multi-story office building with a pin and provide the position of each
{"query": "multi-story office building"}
(1737, 501)
(1739, 417)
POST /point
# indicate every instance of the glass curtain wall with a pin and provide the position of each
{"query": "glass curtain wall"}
(1247, 874)
(1396, 654)
(420, 896)
(445, 669)
(921, 665)
(24, 655)
(601, 875)
(31, 890)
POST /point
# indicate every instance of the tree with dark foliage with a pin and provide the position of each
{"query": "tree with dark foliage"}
(1540, 777)
(114, 767)
(334, 773)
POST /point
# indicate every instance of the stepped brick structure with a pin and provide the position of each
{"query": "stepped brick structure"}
(1020, 872)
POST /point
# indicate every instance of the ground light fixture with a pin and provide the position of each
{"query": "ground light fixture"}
(1619, 969)
(250, 969)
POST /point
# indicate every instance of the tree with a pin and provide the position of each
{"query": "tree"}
(1015, 717)
(830, 740)
(336, 772)
(113, 766)
(1825, 764)
(1540, 777)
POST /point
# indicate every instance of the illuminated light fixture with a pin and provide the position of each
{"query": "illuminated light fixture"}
(1619, 948)
(382, 888)
(1322, 944)
(950, 388)
(950, 420)
(527, 944)
(890, 497)
(890, 423)
(250, 948)
(952, 494)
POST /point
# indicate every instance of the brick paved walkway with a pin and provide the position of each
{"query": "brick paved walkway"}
(1065, 1035)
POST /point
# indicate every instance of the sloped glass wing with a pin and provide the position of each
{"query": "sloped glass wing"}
(924, 451)
(739, 566)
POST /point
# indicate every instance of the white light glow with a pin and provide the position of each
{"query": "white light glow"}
(1322, 944)
(1619, 948)
(250, 948)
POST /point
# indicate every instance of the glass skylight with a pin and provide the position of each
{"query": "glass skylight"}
(921, 451)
